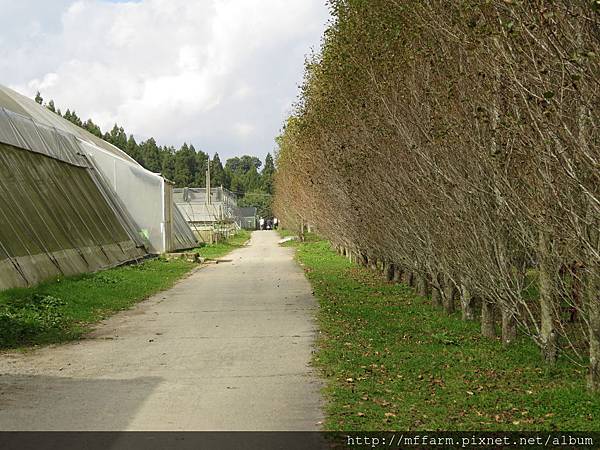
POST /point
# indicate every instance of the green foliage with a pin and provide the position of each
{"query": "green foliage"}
(38, 98)
(260, 200)
(267, 174)
(90, 126)
(168, 163)
(24, 318)
(73, 118)
(185, 166)
(392, 361)
(133, 149)
(217, 173)
(117, 137)
(242, 164)
(151, 155)
(62, 309)
(201, 167)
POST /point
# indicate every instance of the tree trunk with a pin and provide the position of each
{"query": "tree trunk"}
(407, 278)
(466, 303)
(302, 232)
(449, 293)
(397, 273)
(592, 297)
(548, 303)
(422, 285)
(364, 260)
(436, 291)
(373, 263)
(412, 280)
(488, 319)
(593, 313)
(509, 325)
(389, 271)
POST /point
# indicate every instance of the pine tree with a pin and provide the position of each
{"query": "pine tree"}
(237, 185)
(74, 119)
(151, 155)
(118, 137)
(185, 166)
(133, 149)
(201, 166)
(93, 128)
(217, 173)
(38, 98)
(168, 163)
(267, 174)
(251, 180)
(51, 106)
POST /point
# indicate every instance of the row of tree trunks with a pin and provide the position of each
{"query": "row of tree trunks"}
(466, 303)
(445, 293)
(548, 275)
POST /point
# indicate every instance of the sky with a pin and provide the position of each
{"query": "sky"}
(219, 74)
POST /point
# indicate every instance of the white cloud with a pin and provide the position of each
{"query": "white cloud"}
(173, 69)
(243, 129)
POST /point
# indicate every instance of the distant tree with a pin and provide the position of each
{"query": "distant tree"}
(92, 128)
(260, 200)
(51, 106)
(168, 163)
(38, 98)
(74, 118)
(237, 185)
(217, 172)
(185, 166)
(117, 137)
(133, 149)
(232, 165)
(267, 174)
(151, 155)
(251, 180)
(201, 165)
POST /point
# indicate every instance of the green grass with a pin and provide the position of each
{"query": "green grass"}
(215, 251)
(64, 309)
(391, 361)
(286, 233)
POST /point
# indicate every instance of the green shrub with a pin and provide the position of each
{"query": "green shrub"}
(25, 318)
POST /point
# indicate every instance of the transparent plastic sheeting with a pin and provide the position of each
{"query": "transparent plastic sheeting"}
(183, 234)
(13, 101)
(144, 195)
(20, 131)
(54, 221)
(140, 190)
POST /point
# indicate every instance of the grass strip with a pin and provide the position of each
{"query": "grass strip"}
(393, 362)
(65, 308)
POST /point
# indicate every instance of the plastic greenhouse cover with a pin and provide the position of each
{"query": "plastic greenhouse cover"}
(13, 101)
(140, 190)
(22, 132)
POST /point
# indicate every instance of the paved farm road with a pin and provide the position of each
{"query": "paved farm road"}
(227, 348)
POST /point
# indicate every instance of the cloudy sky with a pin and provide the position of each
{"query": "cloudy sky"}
(221, 74)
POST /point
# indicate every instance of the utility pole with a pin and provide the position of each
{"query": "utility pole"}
(208, 193)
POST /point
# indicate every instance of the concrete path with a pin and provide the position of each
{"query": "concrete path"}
(228, 348)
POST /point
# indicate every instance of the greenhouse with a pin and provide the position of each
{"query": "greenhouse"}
(71, 202)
